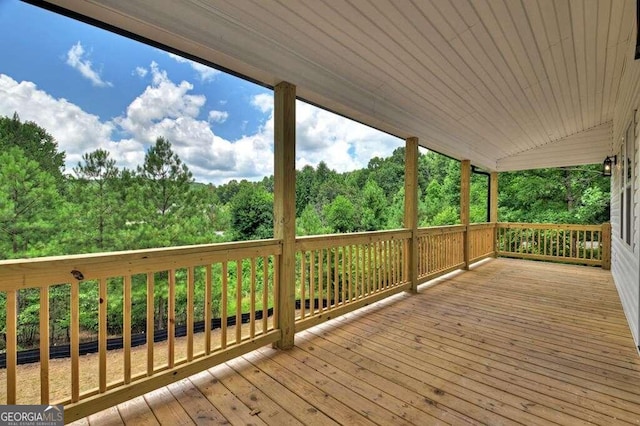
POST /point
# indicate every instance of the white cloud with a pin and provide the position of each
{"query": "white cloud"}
(263, 101)
(141, 72)
(205, 72)
(218, 116)
(75, 130)
(324, 136)
(170, 110)
(84, 66)
(160, 101)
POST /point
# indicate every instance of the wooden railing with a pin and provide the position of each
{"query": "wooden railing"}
(440, 250)
(581, 244)
(222, 280)
(482, 238)
(339, 273)
(216, 302)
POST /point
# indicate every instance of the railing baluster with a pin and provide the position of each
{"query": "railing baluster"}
(75, 341)
(377, 264)
(171, 318)
(370, 270)
(102, 336)
(312, 283)
(190, 311)
(392, 260)
(126, 327)
(150, 322)
(382, 266)
(238, 301)
(276, 289)
(320, 282)
(303, 283)
(336, 264)
(387, 258)
(357, 271)
(44, 345)
(12, 346)
(344, 271)
(351, 275)
(224, 302)
(328, 270)
(265, 294)
(252, 295)
(431, 254)
(447, 245)
(208, 296)
(381, 271)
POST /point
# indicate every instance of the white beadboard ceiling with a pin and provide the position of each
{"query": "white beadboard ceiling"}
(507, 84)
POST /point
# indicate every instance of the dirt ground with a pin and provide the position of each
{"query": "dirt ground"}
(28, 375)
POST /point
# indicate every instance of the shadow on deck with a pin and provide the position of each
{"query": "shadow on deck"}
(510, 341)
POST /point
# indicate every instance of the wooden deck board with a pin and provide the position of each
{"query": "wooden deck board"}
(508, 342)
(137, 412)
(252, 395)
(290, 408)
(166, 408)
(555, 394)
(229, 405)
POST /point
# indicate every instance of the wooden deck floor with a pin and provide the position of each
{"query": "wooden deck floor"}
(508, 342)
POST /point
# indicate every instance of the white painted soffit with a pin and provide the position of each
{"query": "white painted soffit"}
(587, 147)
(472, 79)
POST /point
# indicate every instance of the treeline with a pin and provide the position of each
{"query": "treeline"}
(98, 207)
(47, 210)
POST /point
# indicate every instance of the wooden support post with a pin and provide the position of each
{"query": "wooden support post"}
(606, 246)
(284, 208)
(465, 195)
(411, 208)
(493, 209)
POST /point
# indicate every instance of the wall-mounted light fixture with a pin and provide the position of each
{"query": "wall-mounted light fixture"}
(607, 165)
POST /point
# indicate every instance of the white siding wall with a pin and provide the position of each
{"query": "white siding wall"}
(625, 260)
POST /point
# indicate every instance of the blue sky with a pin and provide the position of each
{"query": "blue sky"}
(93, 89)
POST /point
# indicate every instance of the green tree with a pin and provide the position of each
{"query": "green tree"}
(305, 188)
(29, 202)
(310, 223)
(561, 195)
(341, 214)
(167, 177)
(35, 142)
(96, 197)
(169, 201)
(252, 213)
(374, 207)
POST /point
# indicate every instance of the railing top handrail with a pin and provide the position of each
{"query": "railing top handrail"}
(313, 242)
(564, 226)
(482, 225)
(440, 229)
(37, 272)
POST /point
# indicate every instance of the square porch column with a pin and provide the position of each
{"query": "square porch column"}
(465, 196)
(284, 209)
(411, 208)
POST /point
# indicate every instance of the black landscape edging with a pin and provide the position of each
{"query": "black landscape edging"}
(64, 351)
